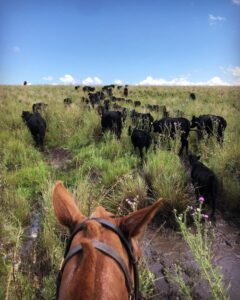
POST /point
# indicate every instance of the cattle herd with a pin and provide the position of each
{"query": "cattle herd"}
(113, 117)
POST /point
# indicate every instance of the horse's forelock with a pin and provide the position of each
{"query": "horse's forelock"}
(101, 212)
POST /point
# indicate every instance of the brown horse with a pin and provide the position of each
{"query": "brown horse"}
(100, 259)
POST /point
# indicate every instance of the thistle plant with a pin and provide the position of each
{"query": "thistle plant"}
(198, 240)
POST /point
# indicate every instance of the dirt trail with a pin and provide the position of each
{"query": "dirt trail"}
(165, 248)
(59, 158)
(30, 262)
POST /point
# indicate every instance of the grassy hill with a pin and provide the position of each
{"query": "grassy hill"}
(98, 169)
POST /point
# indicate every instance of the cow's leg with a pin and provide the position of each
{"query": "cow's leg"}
(41, 142)
(220, 136)
(141, 153)
(184, 144)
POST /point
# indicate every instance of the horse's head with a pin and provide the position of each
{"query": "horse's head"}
(100, 258)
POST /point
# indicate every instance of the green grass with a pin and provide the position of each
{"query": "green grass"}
(102, 170)
(167, 178)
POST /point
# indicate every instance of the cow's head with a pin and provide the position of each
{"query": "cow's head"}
(194, 122)
(26, 115)
(193, 159)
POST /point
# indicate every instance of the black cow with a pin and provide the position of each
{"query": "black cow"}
(25, 82)
(207, 123)
(38, 106)
(125, 92)
(140, 139)
(67, 101)
(116, 106)
(94, 99)
(137, 103)
(156, 107)
(129, 101)
(149, 106)
(112, 120)
(205, 181)
(119, 99)
(110, 86)
(106, 104)
(88, 88)
(101, 95)
(143, 121)
(109, 92)
(165, 112)
(192, 96)
(170, 126)
(77, 87)
(37, 126)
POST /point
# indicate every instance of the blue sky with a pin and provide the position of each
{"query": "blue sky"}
(173, 42)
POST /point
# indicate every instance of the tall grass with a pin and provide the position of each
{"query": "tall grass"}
(102, 171)
(166, 177)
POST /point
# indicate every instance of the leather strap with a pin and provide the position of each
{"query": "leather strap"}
(106, 250)
(114, 255)
(78, 228)
(115, 229)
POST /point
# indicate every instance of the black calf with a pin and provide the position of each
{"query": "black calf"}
(205, 181)
(140, 139)
(67, 101)
(38, 106)
(206, 123)
(112, 120)
(170, 126)
(37, 126)
(142, 121)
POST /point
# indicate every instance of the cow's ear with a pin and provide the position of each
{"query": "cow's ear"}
(198, 157)
(65, 207)
(134, 224)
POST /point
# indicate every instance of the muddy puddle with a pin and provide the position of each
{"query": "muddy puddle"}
(28, 254)
(59, 158)
(30, 235)
(164, 247)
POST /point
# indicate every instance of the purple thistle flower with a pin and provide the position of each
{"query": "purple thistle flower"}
(205, 217)
(201, 199)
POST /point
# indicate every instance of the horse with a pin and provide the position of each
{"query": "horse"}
(102, 251)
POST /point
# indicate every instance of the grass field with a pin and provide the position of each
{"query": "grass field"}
(98, 169)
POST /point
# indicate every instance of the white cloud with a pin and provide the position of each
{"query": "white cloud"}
(149, 80)
(236, 2)
(67, 79)
(48, 78)
(181, 81)
(16, 49)
(235, 71)
(118, 81)
(216, 81)
(214, 19)
(92, 80)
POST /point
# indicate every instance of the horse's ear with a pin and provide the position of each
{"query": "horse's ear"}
(65, 207)
(134, 224)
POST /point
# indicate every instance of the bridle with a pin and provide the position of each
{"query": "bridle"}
(107, 250)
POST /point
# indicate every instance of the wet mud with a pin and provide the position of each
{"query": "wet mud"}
(163, 248)
(60, 159)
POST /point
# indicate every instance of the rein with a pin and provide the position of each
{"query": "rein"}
(107, 250)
